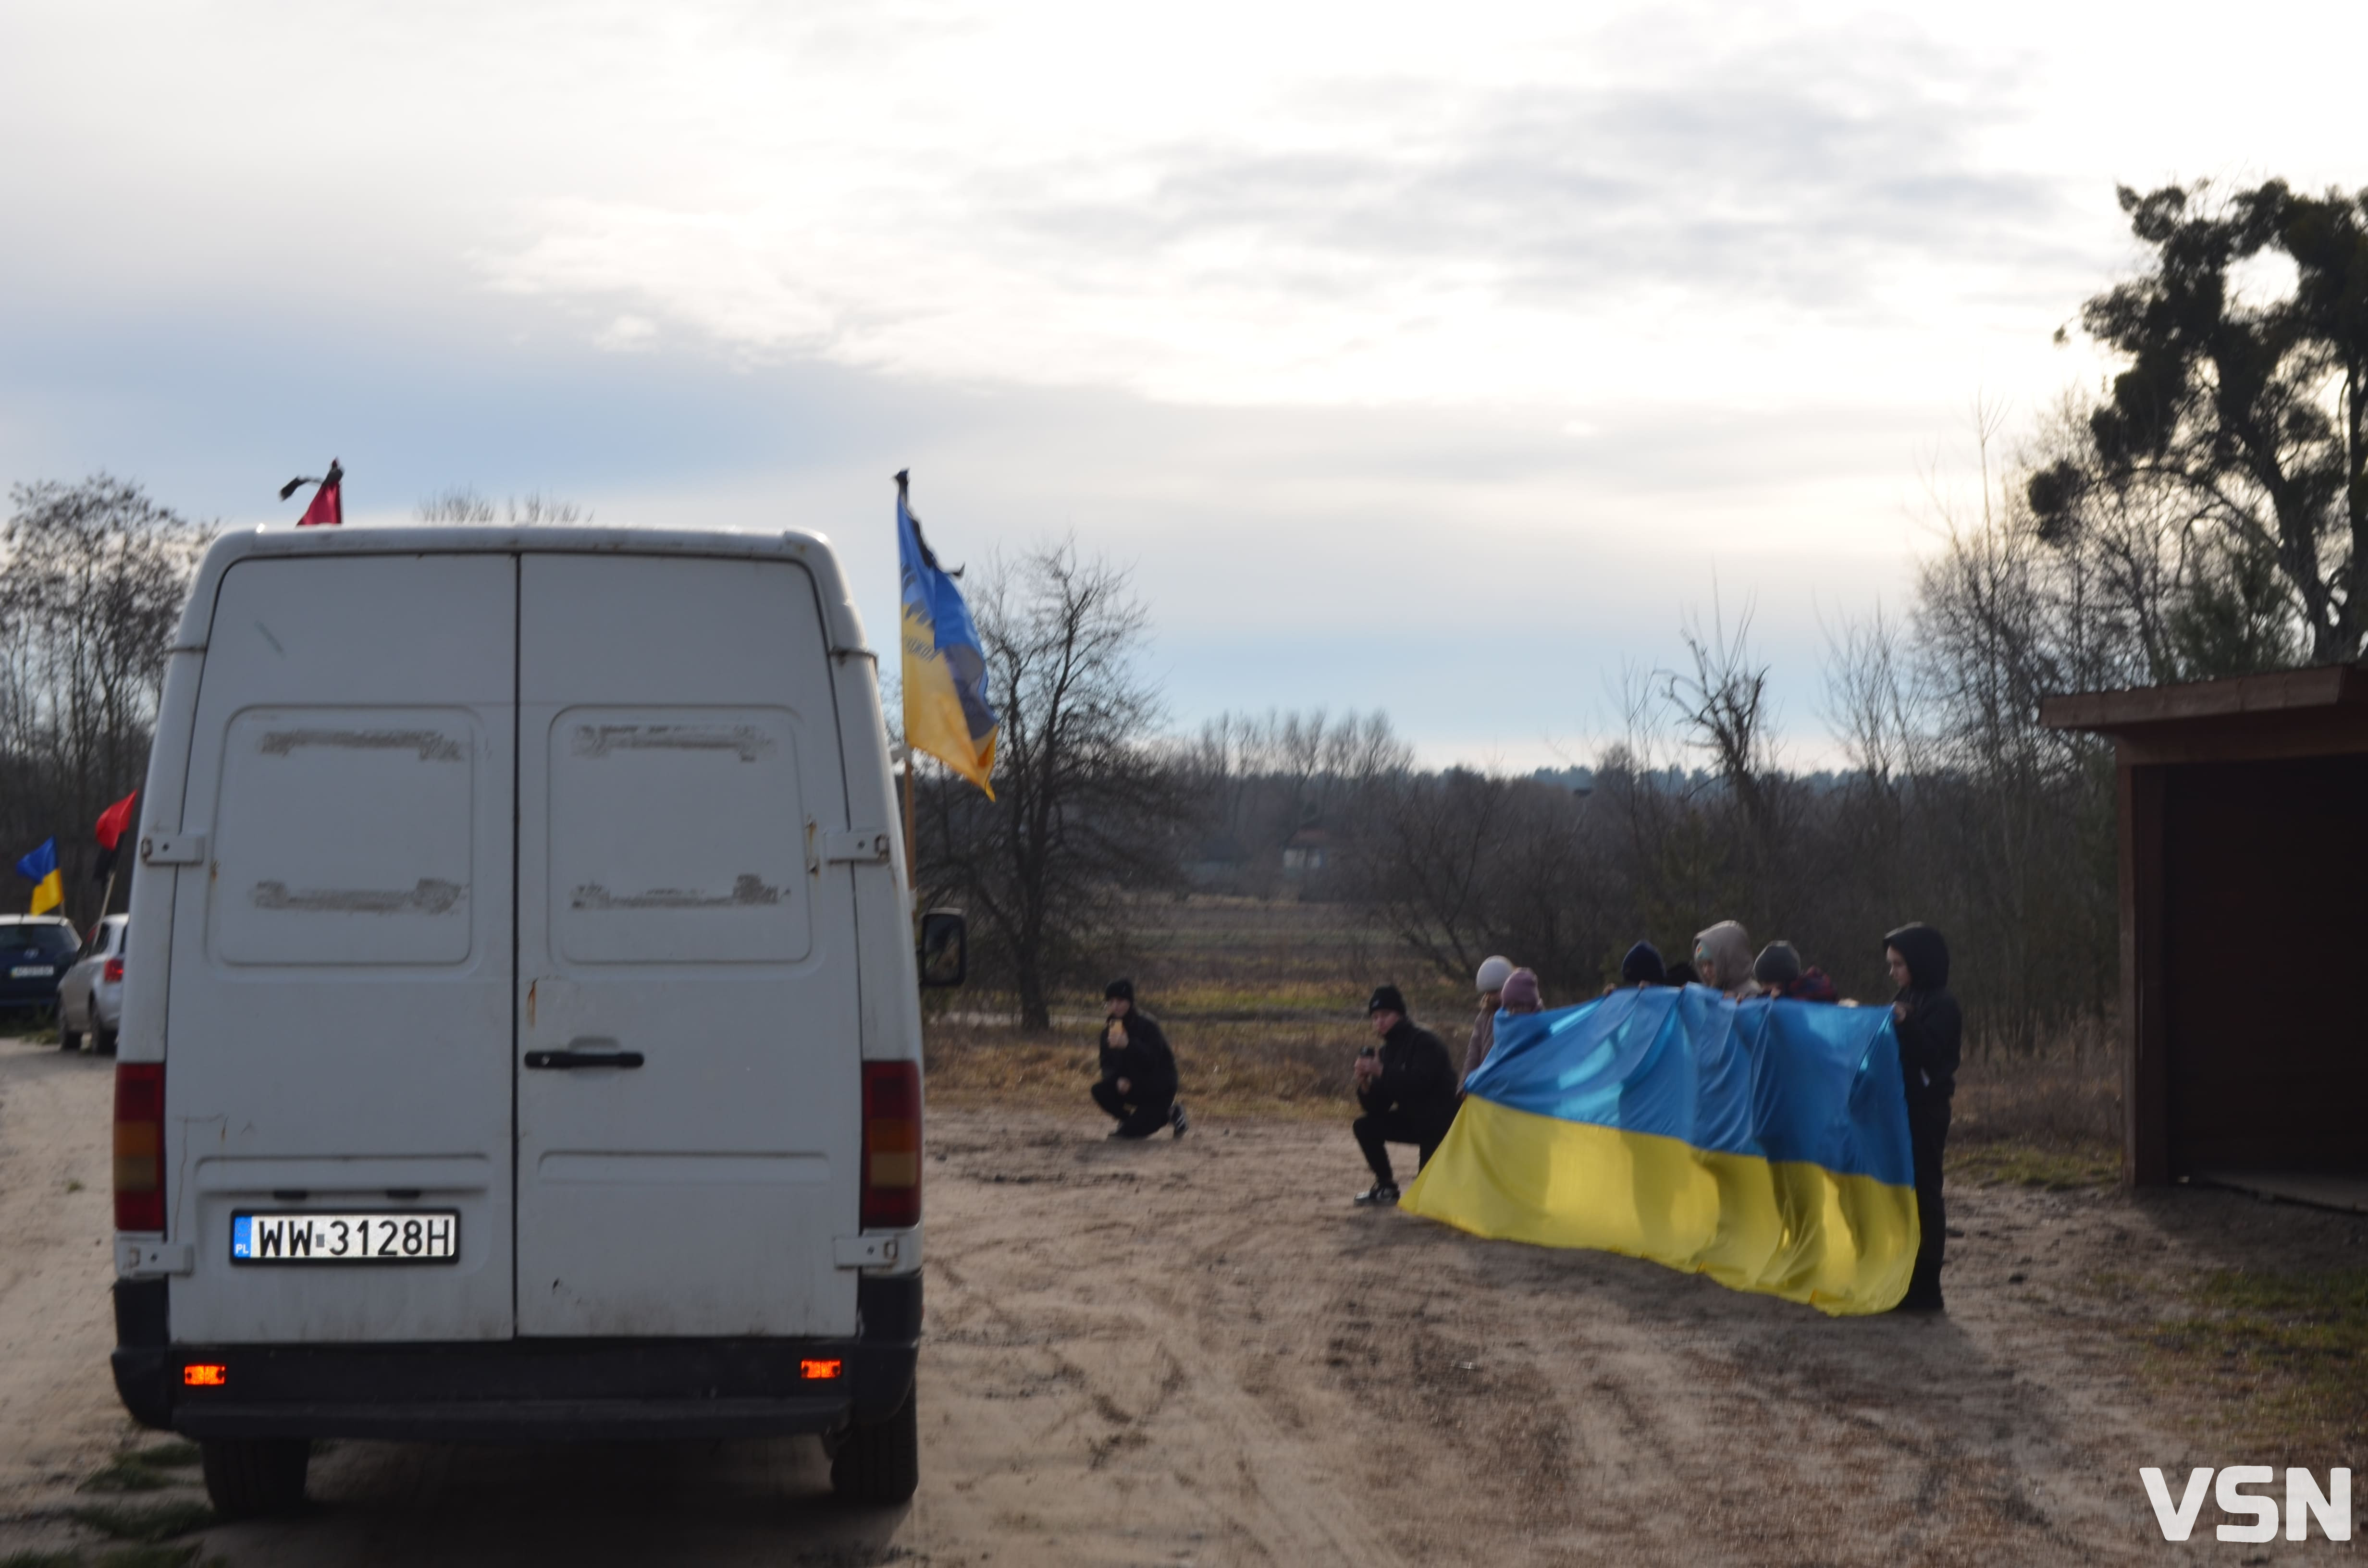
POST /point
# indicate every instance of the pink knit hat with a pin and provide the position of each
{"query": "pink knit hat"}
(1520, 992)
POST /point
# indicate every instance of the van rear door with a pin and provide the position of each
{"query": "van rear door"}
(338, 1035)
(689, 1082)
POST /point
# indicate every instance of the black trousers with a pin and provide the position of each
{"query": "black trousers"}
(1376, 1130)
(1139, 1116)
(1928, 1132)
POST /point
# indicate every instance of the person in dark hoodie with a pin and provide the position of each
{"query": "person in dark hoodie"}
(1138, 1081)
(1407, 1085)
(1930, 1031)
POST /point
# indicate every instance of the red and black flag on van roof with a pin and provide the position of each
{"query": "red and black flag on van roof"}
(328, 507)
(113, 823)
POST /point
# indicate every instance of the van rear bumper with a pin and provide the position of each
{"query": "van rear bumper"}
(534, 1390)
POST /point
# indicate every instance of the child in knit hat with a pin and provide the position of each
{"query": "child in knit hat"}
(1490, 983)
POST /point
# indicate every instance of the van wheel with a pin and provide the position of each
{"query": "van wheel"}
(878, 1465)
(103, 1042)
(246, 1478)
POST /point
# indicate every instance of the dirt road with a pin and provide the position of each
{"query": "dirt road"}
(1199, 1353)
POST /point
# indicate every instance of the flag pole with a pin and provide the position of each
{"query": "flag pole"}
(912, 855)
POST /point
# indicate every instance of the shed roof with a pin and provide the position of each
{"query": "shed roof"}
(2310, 713)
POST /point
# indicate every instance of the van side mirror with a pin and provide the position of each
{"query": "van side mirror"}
(945, 948)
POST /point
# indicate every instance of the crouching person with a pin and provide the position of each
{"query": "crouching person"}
(1138, 1081)
(1407, 1085)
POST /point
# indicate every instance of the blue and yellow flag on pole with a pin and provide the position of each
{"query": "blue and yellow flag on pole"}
(946, 713)
(40, 868)
(1763, 1143)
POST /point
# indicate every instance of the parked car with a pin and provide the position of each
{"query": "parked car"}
(35, 949)
(90, 998)
(525, 1043)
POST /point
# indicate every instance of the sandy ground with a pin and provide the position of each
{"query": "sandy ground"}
(1200, 1353)
(58, 1419)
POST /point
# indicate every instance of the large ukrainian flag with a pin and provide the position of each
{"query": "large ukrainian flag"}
(1763, 1143)
(946, 713)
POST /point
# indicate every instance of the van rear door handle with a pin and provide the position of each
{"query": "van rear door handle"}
(556, 1059)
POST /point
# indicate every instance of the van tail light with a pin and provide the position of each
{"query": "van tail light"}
(140, 1146)
(114, 971)
(891, 1145)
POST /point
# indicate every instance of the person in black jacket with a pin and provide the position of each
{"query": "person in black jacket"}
(1407, 1085)
(1931, 1032)
(1138, 1081)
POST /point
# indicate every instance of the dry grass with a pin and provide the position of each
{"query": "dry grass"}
(1233, 1069)
(2051, 1119)
(1262, 1000)
(2280, 1355)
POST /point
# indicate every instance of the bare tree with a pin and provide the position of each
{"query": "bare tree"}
(1086, 808)
(94, 583)
(461, 503)
(1291, 769)
(1722, 699)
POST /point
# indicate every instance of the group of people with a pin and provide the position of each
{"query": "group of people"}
(1409, 1087)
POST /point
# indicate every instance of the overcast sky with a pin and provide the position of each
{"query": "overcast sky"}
(1437, 360)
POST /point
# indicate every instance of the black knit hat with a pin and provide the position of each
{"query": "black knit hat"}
(1779, 964)
(1641, 966)
(1385, 999)
(1119, 991)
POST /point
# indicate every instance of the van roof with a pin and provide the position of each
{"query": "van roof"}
(808, 548)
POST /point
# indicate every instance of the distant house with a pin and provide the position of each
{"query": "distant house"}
(1308, 851)
(1218, 862)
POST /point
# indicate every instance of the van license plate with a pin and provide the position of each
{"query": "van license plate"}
(408, 1235)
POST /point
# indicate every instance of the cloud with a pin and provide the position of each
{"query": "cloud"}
(1398, 239)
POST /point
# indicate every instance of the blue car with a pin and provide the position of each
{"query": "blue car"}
(36, 950)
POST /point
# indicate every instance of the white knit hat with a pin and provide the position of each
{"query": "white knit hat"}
(1494, 972)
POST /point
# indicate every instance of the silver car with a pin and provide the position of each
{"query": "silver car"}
(90, 997)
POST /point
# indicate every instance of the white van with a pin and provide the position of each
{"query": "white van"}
(528, 1046)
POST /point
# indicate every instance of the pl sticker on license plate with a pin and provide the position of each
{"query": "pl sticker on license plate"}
(408, 1235)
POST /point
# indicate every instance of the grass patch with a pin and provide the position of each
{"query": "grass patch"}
(174, 1453)
(145, 1470)
(124, 1472)
(154, 1556)
(2287, 1351)
(2013, 1164)
(1235, 1068)
(147, 1523)
(176, 1556)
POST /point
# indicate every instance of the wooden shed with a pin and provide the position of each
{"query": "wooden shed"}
(2244, 892)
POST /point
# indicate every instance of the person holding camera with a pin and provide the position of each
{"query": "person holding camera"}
(1138, 1081)
(1407, 1085)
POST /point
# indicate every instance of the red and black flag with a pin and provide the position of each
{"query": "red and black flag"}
(328, 507)
(113, 823)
